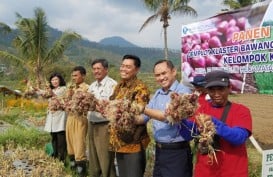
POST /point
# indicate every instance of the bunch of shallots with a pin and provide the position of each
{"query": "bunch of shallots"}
(121, 115)
(30, 92)
(81, 103)
(205, 139)
(48, 93)
(56, 104)
(181, 106)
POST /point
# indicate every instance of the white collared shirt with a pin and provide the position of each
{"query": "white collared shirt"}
(103, 89)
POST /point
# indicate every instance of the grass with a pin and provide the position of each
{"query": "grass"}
(255, 161)
(26, 137)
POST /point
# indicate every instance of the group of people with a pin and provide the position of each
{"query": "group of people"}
(173, 155)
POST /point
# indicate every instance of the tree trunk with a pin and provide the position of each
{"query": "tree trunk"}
(39, 73)
(165, 43)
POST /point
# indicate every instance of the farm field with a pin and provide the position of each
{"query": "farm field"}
(260, 106)
(262, 115)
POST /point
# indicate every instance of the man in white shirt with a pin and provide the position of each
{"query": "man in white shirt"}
(101, 161)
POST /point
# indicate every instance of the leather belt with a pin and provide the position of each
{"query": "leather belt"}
(175, 145)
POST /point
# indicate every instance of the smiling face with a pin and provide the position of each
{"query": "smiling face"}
(164, 75)
(55, 81)
(219, 95)
(128, 70)
(99, 72)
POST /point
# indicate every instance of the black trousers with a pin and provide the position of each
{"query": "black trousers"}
(173, 162)
(131, 164)
(59, 145)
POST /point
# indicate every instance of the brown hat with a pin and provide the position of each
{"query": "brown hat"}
(217, 78)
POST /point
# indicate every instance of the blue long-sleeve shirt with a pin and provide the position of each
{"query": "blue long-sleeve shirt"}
(163, 131)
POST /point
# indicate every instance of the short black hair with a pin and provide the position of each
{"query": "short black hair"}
(136, 59)
(168, 62)
(102, 61)
(55, 74)
(81, 69)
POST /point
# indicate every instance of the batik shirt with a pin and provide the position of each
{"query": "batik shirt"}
(133, 90)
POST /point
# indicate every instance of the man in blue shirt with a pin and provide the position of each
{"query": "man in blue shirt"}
(173, 157)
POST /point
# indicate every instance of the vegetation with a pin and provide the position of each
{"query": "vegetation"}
(236, 4)
(163, 10)
(32, 47)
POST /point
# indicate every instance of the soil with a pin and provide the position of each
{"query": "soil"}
(261, 107)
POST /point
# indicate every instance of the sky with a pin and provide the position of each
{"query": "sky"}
(98, 19)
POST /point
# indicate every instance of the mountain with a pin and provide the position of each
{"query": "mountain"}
(81, 52)
(116, 41)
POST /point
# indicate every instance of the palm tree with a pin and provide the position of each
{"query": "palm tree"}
(163, 9)
(32, 44)
(4, 28)
(234, 4)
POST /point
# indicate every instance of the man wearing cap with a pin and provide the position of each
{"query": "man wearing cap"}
(233, 129)
(199, 88)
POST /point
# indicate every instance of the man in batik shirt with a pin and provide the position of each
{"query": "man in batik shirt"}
(130, 154)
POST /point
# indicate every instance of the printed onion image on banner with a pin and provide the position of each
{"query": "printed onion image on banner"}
(239, 42)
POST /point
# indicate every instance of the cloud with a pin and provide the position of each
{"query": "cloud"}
(96, 20)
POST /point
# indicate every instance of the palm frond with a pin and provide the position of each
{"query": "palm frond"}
(60, 45)
(149, 20)
(4, 28)
(185, 10)
(9, 56)
(232, 4)
(153, 4)
(40, 34)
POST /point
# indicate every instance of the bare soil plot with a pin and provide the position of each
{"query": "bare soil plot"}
(261, 107)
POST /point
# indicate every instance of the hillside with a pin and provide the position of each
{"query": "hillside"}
(116, 41)
(111, 48)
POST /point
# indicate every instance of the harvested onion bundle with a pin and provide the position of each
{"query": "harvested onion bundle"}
(48, 93)
(206, 138)
(81, 103)
(181, 106)
(56, 104)
(121, 115)
(30, 92)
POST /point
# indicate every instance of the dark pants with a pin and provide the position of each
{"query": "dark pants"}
(131, 164)
(59, 145)
(173, 162)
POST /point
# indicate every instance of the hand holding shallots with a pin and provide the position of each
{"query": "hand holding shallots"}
(47, 93)
(56, 104)
(181, 106)
(113, 109)
(121, 114)
(206, 138)
(81, 103)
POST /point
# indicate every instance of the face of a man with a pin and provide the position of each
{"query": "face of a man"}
(77, 77)
(199, 89)
(219, 95)
(128, 70)
(164, 75)
(99, 72)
